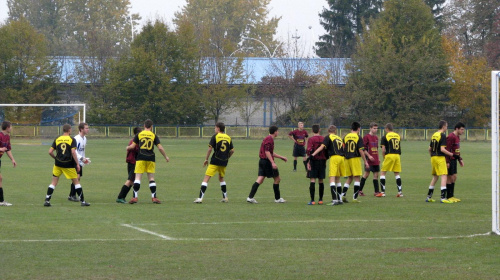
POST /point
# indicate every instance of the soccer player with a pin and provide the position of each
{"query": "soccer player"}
(81, 142)
(223, 149)
(66, 162)
(299, 137)
(268, 167)
(335, 148)
(354, 151)
(453, 145)
(370, 141)
(145, 162)
(130, 159)
(316, 165)
(5, 148)
(391, 151)
(437, 151)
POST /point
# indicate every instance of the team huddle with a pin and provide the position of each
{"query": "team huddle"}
(344, 155)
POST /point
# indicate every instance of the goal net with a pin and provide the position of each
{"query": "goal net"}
(495, 77)
(41, 122)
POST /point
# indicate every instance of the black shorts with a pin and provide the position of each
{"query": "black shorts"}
(266, 169)
(81, 171)
(373, 168)
(318, 169)
(130, 170)
(452, 170)
(299, 151)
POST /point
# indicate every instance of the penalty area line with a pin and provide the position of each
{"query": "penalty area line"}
(149, 232)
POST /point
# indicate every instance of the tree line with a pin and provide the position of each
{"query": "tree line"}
(410, 62)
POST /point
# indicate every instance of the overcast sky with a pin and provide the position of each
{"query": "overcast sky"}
(299, 17)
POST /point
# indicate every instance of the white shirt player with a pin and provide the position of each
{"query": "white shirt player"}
(81, 142)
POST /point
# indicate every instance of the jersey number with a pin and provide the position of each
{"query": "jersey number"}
(147, 144)
(395, 144)
(223, 146)
(351, 147)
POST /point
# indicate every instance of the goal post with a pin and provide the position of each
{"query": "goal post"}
(495, 218)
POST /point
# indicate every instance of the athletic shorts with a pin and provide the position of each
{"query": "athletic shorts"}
(318, 169)
(299, 151)
(212, 169)
(392, 162)
(266, 169)
(452, 170)
(70, 173)
(439, 165)
(353, 167)
(373, 168)
(337, 166)
(130, 171)
(142, 166)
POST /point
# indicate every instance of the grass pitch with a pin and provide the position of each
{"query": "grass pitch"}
(380, 238)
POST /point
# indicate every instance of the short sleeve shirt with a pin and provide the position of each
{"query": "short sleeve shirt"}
(313, 144)
(371, 145)
(353, 144)
(146, 140)
(453, 144)
(222, 145)
(4, 142)
(63, 145)
(438, 140)
(392, 143)
(334, 145)
(267, 145)
(299, 136)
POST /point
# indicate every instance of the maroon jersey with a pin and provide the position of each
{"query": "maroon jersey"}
(313, 144)
(131, 154)
(371, 145)
(4, 142)
(299, 136)
(452, 145)
(267, 145)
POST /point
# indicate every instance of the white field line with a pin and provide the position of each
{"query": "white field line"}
(149, 232)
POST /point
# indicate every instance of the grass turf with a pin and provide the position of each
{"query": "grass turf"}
(380, 238)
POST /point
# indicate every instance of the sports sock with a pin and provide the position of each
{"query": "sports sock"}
(223, 189)
(294, 164)
(203, 189)
(50, 191)
(79, 192)
(255, 187)
(362, 183)
(443, 192)
(333, 190)
(356, 190)
(72, 191)
(321, 191)
(382, 183)
(312, 190)
(398, 183)
(344, 190)
(339, 190)
(152, 188)
(1, 195)
(448, 191)
(276, 188)
(430, 192)
(137, 187)
(452, 189)
(305, 164)
(123, 192)
(375, 185)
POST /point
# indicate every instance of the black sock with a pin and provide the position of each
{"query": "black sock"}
(223, 190)
(72, 191)
(305, 164)
(203, 189)
(443, 193)
(276, 188)
(312, 189)
(398, 183)
(294, 164)
(452, 189)
(152, 188)
(1, 195)
(448, 191)
(338, 193)
(356, 191)
(344, 191)
(375, 185)
(137, 187)
(382, 184)
(123, 192)
(79, 192)
(321, 191)
(333, 190)
(362, 183)
(430, 192)
(255, 186)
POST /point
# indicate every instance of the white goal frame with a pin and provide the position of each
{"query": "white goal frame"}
(495, 77)
(50, 105)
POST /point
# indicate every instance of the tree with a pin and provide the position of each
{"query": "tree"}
(399, 71)
(471, 86)
(343, 22)
(26, 73)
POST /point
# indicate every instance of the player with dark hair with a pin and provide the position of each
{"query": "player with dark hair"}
(453, 146)
(145, 162)
(354, 151)
(299, 137)
(268, 167)
(437, 151)
(66, 162)
(81, 143)
(130, 159)
(6, 148)
(391, 151)
(370, 141)
(223, 149)
(316, 165)
(335, 148)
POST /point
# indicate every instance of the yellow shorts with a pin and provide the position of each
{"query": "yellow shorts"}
(353, 167)
(142, 166)
(439, 165)
(212, 169)
(337, 166)
(70, 173)
(392, 162)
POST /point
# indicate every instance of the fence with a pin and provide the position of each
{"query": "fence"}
(255, 132)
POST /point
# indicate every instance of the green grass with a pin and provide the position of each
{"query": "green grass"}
(380, 238)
